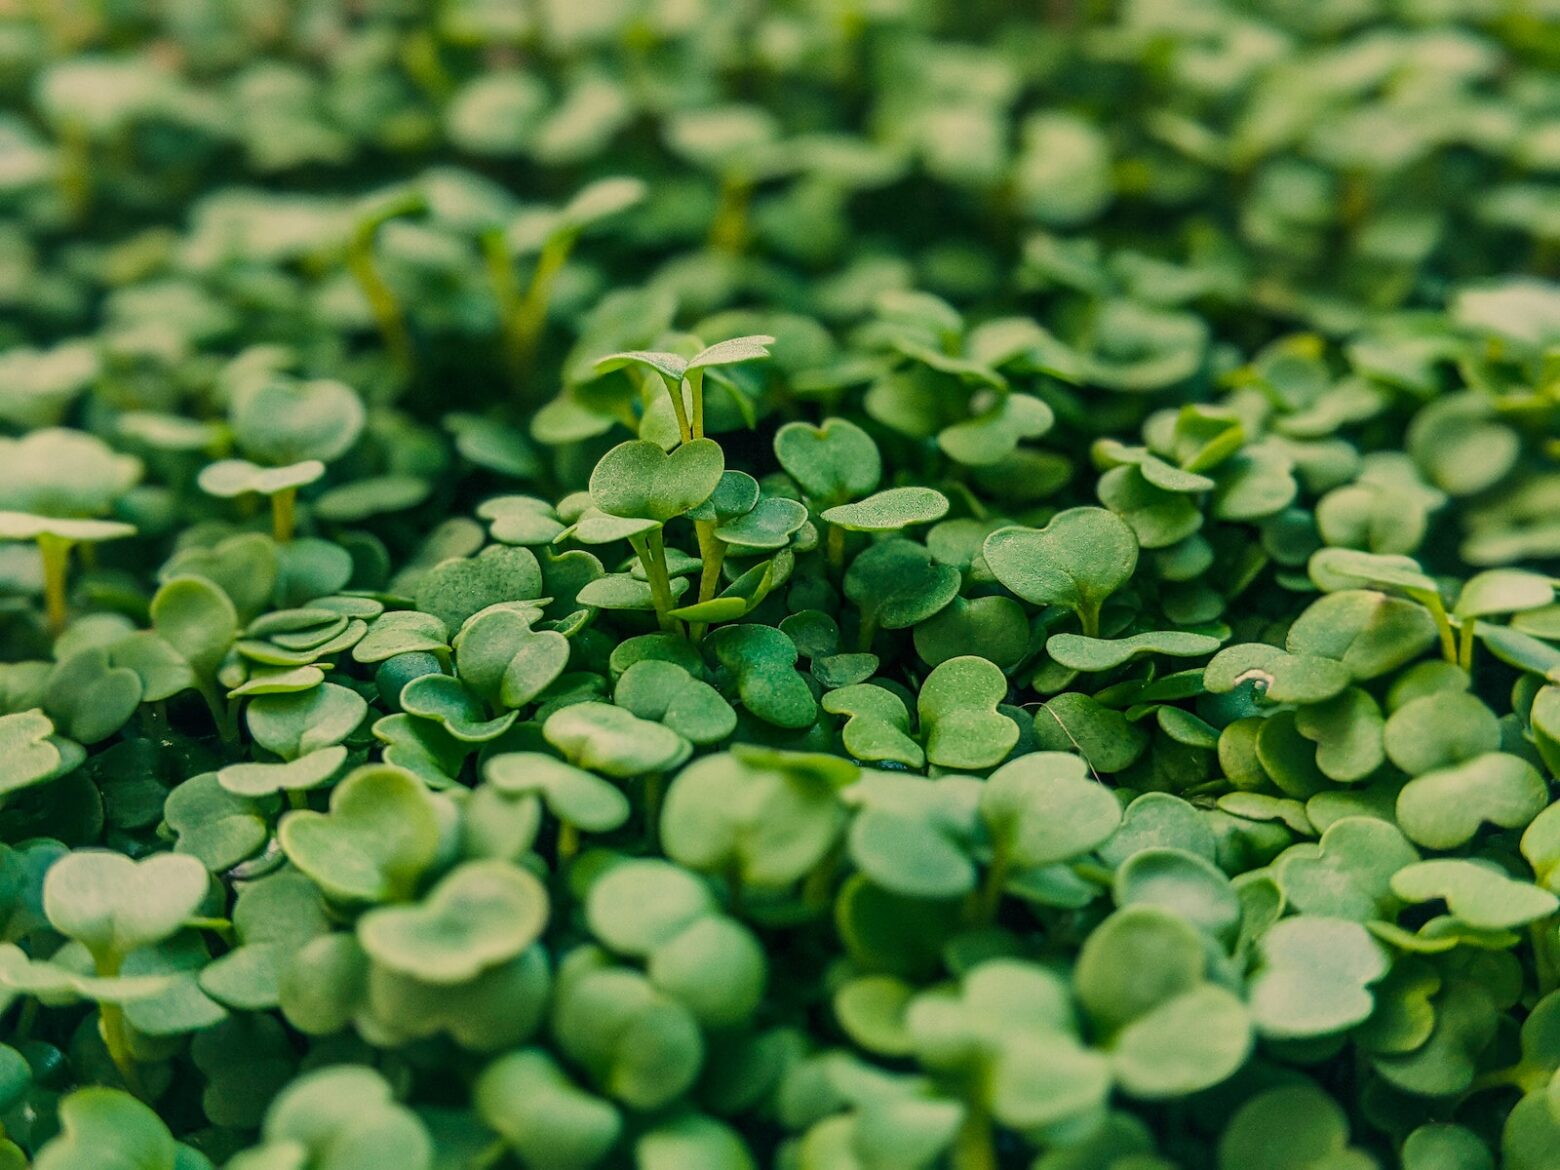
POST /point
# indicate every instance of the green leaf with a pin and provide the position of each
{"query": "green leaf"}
(479, 915)
(228, 478)
(381, 833)
(296, 724)
(113, 905)
(1477, 893)
(1314, 977)
(571, 794)
(609, 739)
(106, 1129)
(1077, 560)
(890, 510)
(542, 1115)
(308, 771)
(1446, 807)
(638, 480)
(832, 463)
(1045, 807)
(1096, 654)
(959, 718)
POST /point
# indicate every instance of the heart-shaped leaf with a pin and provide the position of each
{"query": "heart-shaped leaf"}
(113, 905)
(1077, 560)
(479, 915)
(638, 480)
(381, 833)
(959, 717)
(832, 463)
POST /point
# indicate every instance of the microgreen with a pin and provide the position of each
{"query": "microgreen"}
(894, 586)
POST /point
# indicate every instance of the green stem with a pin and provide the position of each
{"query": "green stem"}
(674, 391)
(729, 228)
(735, 895)
(989, 899)
(222, 714)
(297, 798)
(835, 547)
(1465, 644)
(382, 301)
(1089, 618)
(284, 514)
(654, 794)
(532, 315)
(568, 842)
(973, 1148)
(869, 628)
(655, 574)
(1443, 627)
(696, 389)
(75, 168)
(489, 1156)
(55, 551)
(112, 1026)
(712, 555)
(506, 295)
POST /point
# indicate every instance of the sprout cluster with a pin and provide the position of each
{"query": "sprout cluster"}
(691, 585)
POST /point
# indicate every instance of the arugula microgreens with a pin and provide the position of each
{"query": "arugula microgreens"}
(691, 586)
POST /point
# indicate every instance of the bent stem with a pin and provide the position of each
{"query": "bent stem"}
(1545, 937)
(55, 551)
(284, 518)
(531, 317)
(674, 390)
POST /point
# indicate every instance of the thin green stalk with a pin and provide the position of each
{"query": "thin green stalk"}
(75, 169)
(1465, 643)
(568, 842)
(834, 545)
(112, 1026)
(696, 388)
(223, 714)
(55, 551)
(655, 574)
(1089, 618)
(973, 1147)
(674, 391)
(532, 315)
(489, 1156)
(988, 899)
(712, 555)
(382, 301)
(654, 795)
(1443, 627)
(729, 228)
(284, 514)
(869, 628)
(506, 295)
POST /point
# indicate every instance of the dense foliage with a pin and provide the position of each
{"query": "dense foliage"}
(837, 585)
